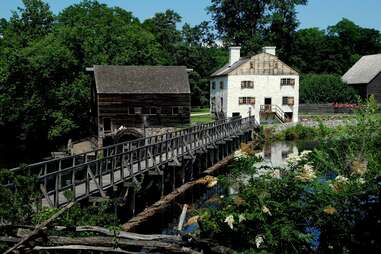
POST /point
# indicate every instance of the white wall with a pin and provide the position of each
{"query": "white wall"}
(264, 86)
(218, 93)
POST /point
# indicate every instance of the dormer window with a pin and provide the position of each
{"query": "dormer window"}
(252, 65)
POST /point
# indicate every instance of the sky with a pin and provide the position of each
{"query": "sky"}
(318, 13)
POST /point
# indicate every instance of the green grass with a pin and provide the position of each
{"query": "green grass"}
(202, 119)
(200, 110)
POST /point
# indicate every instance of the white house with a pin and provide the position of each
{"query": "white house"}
(260, 85)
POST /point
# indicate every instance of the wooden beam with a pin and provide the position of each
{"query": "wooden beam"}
(40, 227)
(103, 194)
(45, 193)
(86, 248)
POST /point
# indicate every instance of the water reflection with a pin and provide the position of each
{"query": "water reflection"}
(274, 156)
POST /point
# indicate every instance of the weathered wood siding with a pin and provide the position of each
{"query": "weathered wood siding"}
(118, 108)
(374, 88)
(264, 64)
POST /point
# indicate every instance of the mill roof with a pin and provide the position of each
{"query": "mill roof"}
(364, 70)
(117, 79)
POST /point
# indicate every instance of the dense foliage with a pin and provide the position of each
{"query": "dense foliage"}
(44, 89)
(325, 88)
(325, 201)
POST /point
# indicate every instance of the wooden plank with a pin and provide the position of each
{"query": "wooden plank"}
(103, 195)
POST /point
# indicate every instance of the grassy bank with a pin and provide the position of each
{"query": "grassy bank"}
(201, 119)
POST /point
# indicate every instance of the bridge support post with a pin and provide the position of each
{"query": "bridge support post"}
(211, 155)
(188, 162)
(130, 197)
(159, 173)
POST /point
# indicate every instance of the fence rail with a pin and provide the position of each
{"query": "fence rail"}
(95, 171)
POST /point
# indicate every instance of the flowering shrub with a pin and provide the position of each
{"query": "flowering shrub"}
(346, 105)
(323, 201)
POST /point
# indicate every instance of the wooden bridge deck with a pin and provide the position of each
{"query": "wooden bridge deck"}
(94, 172)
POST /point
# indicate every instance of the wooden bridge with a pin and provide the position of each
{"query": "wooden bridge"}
(94, 172)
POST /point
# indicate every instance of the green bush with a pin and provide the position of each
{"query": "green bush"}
(296, 132)
(325, 88)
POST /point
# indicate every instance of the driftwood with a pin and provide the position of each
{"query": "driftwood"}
(163, 203)
(10, 239)
(125, 244)
(81, 248)
(121, 234)
(39, 228)
(182, 217)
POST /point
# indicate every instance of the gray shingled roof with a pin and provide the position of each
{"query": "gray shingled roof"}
(364, 71)
(141, 79)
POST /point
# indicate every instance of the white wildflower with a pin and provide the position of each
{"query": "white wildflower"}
(338, 183)
(293, 158)
(341, 179)
(275, 174)
(230, 221)
(266, 210)
(361, 180)
(239, 155)
(241, 218)
(222, 196)
(305, 153)
(259, 240)
(307, 174)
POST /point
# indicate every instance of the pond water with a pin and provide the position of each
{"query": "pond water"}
(274, 155)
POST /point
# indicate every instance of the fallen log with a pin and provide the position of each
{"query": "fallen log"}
(81, 248)
(40, 227)
(125, 244)
(121, 234)
(9, 239)
(164, 203)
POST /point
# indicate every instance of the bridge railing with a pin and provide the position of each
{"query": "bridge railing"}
(84, 176)
(78, 159)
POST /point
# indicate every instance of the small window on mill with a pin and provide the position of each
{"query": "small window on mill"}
(107, 124)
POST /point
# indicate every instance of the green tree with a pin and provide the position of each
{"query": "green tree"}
(26, 24)
(163, 27)
(99, 34)
(253, 23)
(326, 88)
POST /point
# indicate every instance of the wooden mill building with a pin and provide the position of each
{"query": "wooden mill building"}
(138, 97)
